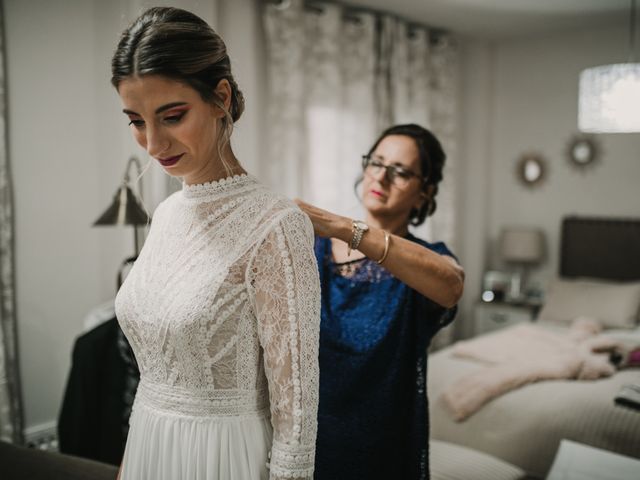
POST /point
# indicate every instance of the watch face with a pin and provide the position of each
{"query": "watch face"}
(361, 225)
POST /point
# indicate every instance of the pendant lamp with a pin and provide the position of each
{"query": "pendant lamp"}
(609, 95)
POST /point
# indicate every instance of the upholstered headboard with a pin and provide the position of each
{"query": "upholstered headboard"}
(605, 248)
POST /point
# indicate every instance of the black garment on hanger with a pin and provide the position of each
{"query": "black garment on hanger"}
(94, 413)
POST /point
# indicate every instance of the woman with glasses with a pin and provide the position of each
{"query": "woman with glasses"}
(385, 294)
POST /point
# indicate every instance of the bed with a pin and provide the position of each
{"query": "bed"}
(525, 426)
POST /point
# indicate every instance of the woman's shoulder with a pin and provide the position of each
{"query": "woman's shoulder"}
(278, 207)
(279, 202)
(278, 211)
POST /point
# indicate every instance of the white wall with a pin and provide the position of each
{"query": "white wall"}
(240, 26)
(522, 95)
(54, 147)
(475, 160)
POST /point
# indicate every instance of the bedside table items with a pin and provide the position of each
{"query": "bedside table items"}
(488, 296)
(495, 286)
(507, 297)
(521, 247)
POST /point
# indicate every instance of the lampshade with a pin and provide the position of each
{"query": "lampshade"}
(609, 99)
(522, 245)
(125, 209)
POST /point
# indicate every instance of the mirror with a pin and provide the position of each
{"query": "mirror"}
(531, 169)
(583, 151)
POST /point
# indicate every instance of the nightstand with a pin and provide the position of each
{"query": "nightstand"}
(495, 315)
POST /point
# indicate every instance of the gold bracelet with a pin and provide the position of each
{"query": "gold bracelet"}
(387, 237)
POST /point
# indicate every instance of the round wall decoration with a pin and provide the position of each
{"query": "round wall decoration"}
(531, 169)
(583, 151)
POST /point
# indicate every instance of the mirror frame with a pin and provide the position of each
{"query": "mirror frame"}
(521, 169)
(592, 151)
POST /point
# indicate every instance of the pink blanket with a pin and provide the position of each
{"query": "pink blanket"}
(524, 354)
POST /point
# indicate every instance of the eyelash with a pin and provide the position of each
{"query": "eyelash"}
(171, 120)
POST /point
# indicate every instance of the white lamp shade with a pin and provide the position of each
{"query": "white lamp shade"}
(610, 99)
(522, 245)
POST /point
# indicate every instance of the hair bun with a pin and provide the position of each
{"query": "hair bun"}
(237, 101)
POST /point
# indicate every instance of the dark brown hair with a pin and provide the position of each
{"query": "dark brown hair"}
(181, 46)
(432, 158)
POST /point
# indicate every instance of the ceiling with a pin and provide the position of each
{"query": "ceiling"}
(493, 19)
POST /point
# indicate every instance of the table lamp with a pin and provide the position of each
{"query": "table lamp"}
(522, 247)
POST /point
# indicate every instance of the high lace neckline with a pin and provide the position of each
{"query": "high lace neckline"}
(199, 190)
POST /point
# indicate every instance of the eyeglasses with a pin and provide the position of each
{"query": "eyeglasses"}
(398, 176)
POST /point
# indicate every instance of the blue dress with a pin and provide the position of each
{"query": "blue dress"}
(374, 333)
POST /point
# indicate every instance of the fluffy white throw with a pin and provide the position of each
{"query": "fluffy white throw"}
(524, 354)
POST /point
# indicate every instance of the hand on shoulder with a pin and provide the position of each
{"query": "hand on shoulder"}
(325, 223)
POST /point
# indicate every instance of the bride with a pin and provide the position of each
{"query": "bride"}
(222, 308)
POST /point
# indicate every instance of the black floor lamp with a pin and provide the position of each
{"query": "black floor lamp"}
(126, 209)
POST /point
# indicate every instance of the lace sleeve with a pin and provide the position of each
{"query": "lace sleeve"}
(283, 278)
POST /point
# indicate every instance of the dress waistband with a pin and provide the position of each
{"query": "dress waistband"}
(200, 403)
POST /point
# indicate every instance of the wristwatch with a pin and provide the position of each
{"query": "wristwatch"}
(358, 228)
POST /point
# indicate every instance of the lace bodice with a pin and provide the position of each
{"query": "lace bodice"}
(222, 310)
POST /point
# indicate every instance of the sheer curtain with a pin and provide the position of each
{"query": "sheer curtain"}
(10, 405)
(338, 76)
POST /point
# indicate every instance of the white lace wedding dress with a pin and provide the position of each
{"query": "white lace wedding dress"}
(222, 309)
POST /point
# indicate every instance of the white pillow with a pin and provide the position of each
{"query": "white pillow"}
(614, 304)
